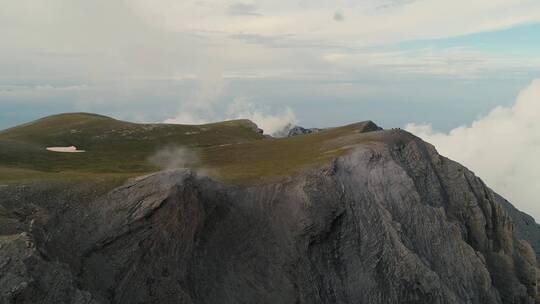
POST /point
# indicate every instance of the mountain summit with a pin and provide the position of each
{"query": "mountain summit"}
(354, 214)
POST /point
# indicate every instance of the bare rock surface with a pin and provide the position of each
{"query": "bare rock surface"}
(390, 222)
(298, 130)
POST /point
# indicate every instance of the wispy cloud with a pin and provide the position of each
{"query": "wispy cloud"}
(367, 23)
(460, 62)
(270, 123)
(41, 87)
(243, 9)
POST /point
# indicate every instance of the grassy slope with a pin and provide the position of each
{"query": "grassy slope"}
(112, 146)
(231, 151)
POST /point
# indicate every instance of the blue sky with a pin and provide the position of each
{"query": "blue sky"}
(519, 41)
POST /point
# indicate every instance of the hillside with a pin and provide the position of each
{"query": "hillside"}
(354, 214)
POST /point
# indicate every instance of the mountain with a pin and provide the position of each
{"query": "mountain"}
(354, 214)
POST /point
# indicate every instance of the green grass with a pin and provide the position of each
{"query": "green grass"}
(231, 151)
(258, 160)
(9, 175)
(111, 145)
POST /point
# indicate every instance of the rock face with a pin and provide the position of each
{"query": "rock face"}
(364, 127)
(524, 225)
(390, 222)
(297, 131)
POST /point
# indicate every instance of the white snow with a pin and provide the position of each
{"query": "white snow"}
(71, 149)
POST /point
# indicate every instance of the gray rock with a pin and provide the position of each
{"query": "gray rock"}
(362, 127)
(297, 131)
(525, 226)
(391, 222)
(26, 276)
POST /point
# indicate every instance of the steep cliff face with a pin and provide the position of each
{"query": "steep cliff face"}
(390, 222)
(525, 226)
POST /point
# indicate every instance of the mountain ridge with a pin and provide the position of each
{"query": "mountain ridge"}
(118, 147)
(386, 220)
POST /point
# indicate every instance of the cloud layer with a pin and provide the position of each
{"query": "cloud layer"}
(503, 148)
(367, 22)
(143, 59)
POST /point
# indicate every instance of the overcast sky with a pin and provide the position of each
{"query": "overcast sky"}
(434, 64)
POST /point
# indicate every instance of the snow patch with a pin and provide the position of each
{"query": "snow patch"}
(70, 149)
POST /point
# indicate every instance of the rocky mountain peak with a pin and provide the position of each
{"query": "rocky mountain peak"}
(389, 220)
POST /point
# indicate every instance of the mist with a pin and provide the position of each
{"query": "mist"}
(502, 148)
(174, 157)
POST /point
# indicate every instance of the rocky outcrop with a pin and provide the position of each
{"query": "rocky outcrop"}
(298, 130)
(27, 276)
(390, 222)
(362, 127)
(525, 226)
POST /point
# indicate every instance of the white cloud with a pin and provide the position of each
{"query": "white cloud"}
(199, 109)
(273, 124)
(40, 89)
(210, 88)
(367, 22)
(455, 62)
(502, 148)
(159, 39)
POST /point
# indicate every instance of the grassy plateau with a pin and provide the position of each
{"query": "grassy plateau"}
(231, 151)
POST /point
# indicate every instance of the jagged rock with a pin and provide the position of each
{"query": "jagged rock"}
(390, 222)
(362, 127)
(297, 130)
(525, 226)
(369, 126)
(26, 276)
